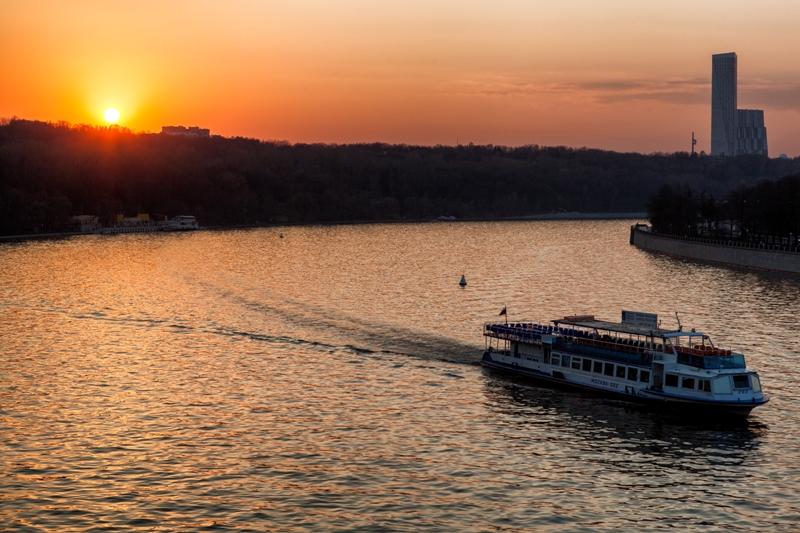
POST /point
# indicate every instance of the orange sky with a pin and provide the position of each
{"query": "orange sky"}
(627, 75)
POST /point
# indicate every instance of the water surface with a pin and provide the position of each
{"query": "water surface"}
(236, 380)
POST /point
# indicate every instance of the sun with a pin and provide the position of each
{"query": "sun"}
(111, 115)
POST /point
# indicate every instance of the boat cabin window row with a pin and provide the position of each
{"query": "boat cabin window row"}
(685, 382)
(720, 385)
(607, 369)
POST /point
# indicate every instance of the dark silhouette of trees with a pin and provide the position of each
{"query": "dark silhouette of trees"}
(49, 172)
(767, 212)
(675, 210)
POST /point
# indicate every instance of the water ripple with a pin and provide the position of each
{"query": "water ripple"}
(238, 381)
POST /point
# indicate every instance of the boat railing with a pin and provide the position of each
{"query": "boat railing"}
(703, 350)
(627, 346)
(529, 332)
(605, 350)
(578, 341)
(709, 357)
(515, 333)
(712, 362)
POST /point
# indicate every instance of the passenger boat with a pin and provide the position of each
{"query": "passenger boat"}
(634, 359)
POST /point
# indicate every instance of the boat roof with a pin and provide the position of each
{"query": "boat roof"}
(619, 327)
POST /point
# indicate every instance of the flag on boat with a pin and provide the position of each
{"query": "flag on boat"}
(502, 312)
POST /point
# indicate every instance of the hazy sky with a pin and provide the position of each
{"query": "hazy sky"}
(627, 75)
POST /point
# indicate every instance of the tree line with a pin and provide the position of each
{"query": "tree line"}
(52, 171)
(767, 212)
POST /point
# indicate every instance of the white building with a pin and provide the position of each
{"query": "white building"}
(723, 104)
(192, 131)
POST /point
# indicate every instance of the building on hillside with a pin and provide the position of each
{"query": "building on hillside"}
(192, 131)
(733, 131)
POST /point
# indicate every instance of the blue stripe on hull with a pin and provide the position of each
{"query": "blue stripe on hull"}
(662, 400)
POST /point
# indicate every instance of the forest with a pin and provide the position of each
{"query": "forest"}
(52, 171)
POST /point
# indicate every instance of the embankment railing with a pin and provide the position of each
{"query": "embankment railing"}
(729, 243)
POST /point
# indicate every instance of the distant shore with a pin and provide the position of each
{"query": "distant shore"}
(240, 182)
(584, 216)
(544, 216)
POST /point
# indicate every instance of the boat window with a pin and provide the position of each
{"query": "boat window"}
(576, 363)
(565, 361)
(644, 376)
(704, 385)
(688, 383)
(620, 371)
(609, 371)
(756, 383)
(598, 367)
(671, 380)
(735, 361)
(721, 385)
(556, 359)
(740, 381)
(587, 365)
(632, 373)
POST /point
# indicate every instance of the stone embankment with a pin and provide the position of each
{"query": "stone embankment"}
(762, 256)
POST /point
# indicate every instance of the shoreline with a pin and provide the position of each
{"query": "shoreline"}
(767, 257)
(545, 216)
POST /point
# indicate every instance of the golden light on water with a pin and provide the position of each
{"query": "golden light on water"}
(111, 115)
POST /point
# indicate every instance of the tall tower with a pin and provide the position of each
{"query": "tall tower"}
(723, 104)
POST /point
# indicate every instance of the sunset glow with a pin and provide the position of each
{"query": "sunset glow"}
(622, 75)
(111, 115)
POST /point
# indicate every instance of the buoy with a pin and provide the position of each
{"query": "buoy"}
(463, 281)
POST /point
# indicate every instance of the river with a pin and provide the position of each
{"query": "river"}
(324, 378)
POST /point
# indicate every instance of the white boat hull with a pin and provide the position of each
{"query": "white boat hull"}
(612, 386)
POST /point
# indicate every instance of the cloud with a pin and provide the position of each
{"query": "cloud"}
(689, 91)
(688, 82)
(753, 93)
(682, 92)
(760, 94)
(612, 86)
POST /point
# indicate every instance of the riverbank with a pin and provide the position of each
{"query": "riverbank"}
(749, 255)
(585, 216)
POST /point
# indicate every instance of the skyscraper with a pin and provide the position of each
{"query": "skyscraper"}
(723, 104)
(733, 131)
